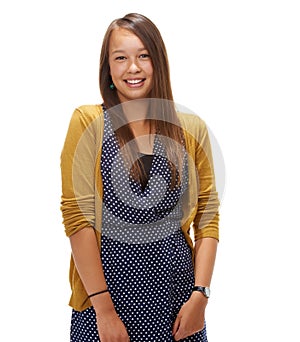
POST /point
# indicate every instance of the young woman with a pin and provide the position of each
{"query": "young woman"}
(137, 175)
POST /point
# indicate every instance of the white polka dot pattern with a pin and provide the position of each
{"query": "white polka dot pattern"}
(131, 214)
(148, 284)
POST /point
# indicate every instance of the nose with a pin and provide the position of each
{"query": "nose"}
(134, 67)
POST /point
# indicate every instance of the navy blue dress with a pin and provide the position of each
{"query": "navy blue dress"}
(146, 260)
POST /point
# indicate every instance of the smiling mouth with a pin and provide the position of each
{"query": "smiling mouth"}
(135, 82)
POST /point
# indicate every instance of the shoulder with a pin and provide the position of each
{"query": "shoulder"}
(88, 113)
(192, 123)
(86, 116)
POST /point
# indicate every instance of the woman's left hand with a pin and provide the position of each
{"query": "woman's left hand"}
(190, 318)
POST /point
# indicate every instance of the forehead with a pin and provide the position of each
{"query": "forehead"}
(122, 39)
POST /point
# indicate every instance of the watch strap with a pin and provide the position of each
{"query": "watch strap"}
(202, 289)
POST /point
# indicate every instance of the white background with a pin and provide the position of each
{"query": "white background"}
(235, 63)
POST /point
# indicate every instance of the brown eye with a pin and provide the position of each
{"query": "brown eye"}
(144, 56)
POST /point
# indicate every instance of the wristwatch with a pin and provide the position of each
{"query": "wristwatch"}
(202, 289)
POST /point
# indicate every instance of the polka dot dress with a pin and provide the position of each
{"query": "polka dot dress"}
(146, 260)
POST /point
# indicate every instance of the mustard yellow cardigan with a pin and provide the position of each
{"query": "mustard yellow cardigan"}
(81, 202)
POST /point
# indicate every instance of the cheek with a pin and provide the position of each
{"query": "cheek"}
(149, 69)
(116, 70)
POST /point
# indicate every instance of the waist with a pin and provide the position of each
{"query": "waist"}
(141, 233)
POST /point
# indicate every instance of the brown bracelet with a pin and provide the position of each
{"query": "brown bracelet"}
(96, 293)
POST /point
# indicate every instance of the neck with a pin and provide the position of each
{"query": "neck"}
(136, 110)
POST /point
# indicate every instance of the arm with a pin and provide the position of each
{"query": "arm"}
(191, 316)
(87, 259)
(78, 208)
(88, 263)
(205, 255)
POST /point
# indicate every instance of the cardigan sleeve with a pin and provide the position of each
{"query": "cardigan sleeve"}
(78, 158)
(206, 221)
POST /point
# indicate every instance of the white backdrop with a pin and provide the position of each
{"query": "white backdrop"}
(235, 63)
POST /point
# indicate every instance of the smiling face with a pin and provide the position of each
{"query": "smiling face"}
(130, 65)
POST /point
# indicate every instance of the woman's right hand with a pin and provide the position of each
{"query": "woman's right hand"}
(111, 328)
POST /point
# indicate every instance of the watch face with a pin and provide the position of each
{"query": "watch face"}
(207, 292)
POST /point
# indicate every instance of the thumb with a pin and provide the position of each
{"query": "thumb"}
(176, 325)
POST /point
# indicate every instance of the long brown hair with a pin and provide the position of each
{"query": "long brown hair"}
(163, 113)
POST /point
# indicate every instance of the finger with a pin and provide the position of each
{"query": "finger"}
(176, 325)
(179, 335)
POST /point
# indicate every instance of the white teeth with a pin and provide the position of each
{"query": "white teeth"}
(134, 81)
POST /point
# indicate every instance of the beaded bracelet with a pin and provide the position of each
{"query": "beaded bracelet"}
(96, 293)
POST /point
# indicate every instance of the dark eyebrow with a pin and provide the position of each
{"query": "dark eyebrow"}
(123, 51)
